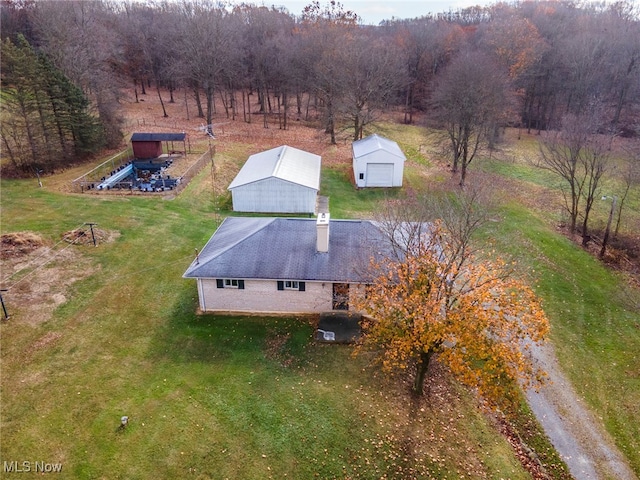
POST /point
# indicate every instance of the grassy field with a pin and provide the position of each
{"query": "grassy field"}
(207, 396)
(251, 397)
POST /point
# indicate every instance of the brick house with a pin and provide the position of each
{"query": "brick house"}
(286, 265)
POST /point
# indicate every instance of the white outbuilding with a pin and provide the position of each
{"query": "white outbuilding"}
(280, 180)
(377, 162)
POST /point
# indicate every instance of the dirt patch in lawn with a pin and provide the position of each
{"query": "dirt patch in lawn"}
(18, 244)
(87, 236)
(37, 276)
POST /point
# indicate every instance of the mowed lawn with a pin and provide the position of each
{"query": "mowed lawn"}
(206, 396)
(253, 397)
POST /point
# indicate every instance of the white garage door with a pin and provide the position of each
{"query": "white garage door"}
(379, 175)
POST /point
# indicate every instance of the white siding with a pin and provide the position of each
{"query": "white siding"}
(264, 296)
(273, 195)
(371, 152)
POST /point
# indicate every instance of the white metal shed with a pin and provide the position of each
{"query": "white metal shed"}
(377, 162)
(281, 180)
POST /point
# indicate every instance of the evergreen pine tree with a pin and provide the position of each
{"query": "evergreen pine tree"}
(47, 122)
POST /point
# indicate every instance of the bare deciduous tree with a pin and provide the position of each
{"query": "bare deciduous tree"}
(78, 38)
(372, 75)
(207, 46)
(327, 32)
(580, 158)
(436, 299)
(472, 95)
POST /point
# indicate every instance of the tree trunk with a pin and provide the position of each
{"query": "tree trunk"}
(196, 95)
(209, 93)
(59, 124)
(186, 103)
(234, 106)
(463, 174)
(164, 110)
(279, 113)
(225, 102)
(408, 106)
(574, 209)
(30, 136)
(264, 98)
(330, 126)
(606, 232)
(8, 149)
(422, 368)
(285, 107)
(244, 108)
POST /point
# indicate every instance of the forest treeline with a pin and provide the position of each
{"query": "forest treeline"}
(470, 71)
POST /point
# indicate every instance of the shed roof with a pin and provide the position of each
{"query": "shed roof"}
(375, 142)
(285, 248)
(286, 163)
(158, 137)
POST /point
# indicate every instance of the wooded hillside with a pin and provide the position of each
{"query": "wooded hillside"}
(527, 64)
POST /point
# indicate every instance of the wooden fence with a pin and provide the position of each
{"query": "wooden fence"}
(195, 168)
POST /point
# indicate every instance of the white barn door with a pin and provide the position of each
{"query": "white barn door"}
(379, 175)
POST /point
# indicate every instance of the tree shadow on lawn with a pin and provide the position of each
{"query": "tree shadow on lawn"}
(190, 337)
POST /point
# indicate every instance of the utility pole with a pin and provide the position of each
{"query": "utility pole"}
(93, 237)
(4, 309)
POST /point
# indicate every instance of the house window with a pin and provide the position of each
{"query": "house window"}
(362, 176)
(230, 283)
(291, 285)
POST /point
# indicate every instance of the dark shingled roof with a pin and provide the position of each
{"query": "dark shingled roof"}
(285, 248)
(158, 137)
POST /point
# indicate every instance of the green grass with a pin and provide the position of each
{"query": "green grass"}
(207, 396)
(595, 320)
(521, 171)
(251, 397)
(345, 200)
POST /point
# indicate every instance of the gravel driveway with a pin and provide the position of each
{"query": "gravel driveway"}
(579, 438)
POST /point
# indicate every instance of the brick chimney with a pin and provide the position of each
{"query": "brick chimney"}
(322, 230)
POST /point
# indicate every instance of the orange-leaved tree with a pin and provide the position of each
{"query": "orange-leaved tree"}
(475, 316)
